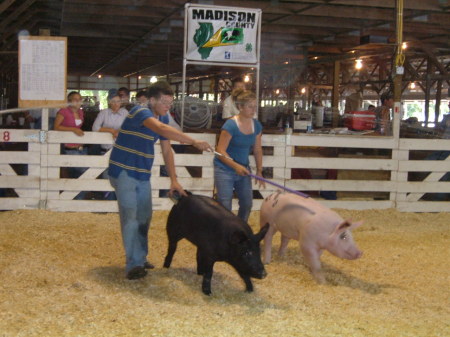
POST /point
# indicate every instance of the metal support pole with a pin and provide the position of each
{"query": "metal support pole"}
(335, 94)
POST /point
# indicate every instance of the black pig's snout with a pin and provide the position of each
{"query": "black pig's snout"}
(262, 274)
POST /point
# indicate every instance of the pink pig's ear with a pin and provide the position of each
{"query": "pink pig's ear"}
(355, 224)
(347, 224)
(341, 227)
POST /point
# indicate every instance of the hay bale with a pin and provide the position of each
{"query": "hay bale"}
(62, 275)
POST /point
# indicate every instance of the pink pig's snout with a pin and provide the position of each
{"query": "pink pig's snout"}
(356, 255)
(351, 254)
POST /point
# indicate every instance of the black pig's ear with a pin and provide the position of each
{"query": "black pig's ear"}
(262, 233)
(238, 237)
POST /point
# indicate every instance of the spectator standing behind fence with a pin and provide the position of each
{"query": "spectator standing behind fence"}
(130, 168)
(229, 107)
(124, 94)
(110, 119)
(383, 114)
(71, 119)
(238, 135)
(141, 98)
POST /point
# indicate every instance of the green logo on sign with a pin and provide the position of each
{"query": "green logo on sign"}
(206, 40)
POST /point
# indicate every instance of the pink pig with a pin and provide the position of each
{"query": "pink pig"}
(315, 226)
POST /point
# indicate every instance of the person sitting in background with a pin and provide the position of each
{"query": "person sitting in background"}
(10, 121)
(229, 107)
(124, 94)
(316, 101)
(444, 125)
(71, 119)
(33, 118)
(383, 114)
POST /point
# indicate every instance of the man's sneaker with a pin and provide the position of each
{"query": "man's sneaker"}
(148, 265)
(136, 273)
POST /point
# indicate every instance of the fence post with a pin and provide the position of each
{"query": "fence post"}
(397, 155)
(44, 160)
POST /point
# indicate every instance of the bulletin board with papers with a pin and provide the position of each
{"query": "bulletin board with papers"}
(42, 71)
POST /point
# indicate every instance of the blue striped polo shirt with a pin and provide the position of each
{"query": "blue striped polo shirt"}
(134, 149)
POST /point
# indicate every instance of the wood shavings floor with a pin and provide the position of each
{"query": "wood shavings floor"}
(62, 275)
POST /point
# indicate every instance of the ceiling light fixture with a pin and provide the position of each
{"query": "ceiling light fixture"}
(358, 64)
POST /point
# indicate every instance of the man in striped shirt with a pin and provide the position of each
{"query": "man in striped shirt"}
(130, 167)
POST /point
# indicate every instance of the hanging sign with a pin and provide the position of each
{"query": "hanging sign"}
(222, 34)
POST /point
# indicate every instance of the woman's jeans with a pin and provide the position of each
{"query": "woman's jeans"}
(226, 182)
(135, 208)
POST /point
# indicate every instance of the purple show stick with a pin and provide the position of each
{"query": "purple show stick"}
(268, 181)
(279, 186)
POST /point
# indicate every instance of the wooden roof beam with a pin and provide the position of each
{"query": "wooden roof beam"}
(23, 23)
(94, 9)
(136, 4)
(295, 30)
(14, 15)
(5, 4)
(303, 20)
(101, 31)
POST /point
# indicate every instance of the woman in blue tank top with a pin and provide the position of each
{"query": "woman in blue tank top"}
(239, 135)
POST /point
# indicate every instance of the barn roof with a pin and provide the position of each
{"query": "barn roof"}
(123, 37)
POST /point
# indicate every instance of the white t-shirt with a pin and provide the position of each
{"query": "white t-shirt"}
(172, 122)
(229, 108)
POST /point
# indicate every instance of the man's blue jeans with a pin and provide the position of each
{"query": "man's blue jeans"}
(135, 208)
(226, 182)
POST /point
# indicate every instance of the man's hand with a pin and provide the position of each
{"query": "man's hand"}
(175, 186)
(202, 145)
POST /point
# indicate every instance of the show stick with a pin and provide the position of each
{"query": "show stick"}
(268, 181)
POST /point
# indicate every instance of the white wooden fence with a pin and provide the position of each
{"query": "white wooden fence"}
(42, 186)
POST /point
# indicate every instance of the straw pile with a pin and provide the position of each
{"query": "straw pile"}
(62, 275)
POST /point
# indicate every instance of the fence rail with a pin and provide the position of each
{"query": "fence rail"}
(31, 164)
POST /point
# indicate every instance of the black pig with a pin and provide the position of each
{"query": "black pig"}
(219, 236)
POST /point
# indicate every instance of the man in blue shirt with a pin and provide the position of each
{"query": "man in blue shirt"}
(130, 167)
